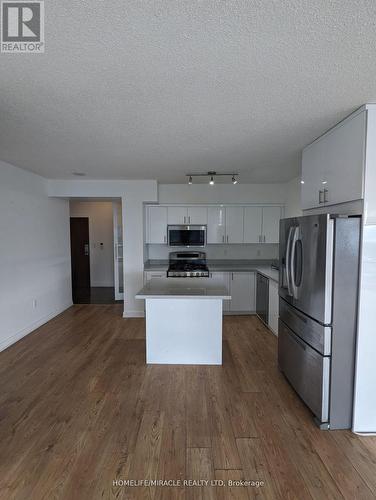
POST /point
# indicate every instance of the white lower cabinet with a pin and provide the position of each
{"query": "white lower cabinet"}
(273, 306)
(242, 289)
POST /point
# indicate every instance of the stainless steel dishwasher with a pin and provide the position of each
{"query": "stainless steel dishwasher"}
(262, 297)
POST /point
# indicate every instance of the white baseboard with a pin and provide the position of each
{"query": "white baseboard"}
(133, 314)
(239, 313)
(30, 328)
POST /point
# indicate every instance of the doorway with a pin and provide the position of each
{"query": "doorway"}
(96, 251)
(80, 259)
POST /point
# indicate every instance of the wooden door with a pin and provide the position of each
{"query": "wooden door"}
(80, 258)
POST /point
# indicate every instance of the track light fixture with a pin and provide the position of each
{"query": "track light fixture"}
(212, 175)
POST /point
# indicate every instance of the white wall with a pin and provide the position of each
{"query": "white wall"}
(133, 194)
(364, 418)
(222, 193)
(100, 231)
(241, 251)
(293, 198)
(34, 254)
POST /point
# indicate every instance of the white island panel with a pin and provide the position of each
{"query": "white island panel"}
(183, 322)
(184, 331)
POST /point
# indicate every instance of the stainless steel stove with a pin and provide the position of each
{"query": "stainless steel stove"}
(187, 265)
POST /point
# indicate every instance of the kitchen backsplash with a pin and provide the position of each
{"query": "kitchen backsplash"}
(241, 251)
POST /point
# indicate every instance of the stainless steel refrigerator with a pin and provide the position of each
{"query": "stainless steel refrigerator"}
(318, 290)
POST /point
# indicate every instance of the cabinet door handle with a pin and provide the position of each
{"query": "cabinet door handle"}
(321, 197)
(164, 238)
(232, 276)
(325, 196)
(264, 238)
(223, 238)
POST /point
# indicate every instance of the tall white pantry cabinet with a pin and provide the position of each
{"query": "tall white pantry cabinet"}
(339, 176)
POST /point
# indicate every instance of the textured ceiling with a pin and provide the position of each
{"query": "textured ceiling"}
(154, 89)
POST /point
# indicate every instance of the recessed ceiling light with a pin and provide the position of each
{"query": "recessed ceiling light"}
(79, 174)
(324, 182)
(301, 182)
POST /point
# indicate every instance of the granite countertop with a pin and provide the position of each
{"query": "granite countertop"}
(225, 265)
(159, 289)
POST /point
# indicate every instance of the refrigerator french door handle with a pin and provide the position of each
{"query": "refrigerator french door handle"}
(288, 271)
(295, 238)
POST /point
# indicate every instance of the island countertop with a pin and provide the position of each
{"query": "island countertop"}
(159, 289)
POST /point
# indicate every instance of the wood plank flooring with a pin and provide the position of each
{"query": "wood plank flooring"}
(79, 409)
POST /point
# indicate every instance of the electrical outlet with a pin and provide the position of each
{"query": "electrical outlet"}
(34, 303)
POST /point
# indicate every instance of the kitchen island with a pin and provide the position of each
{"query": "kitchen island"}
(183, 322)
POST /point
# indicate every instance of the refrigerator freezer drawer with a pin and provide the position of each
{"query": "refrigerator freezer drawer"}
(316, 335)
(307, 371)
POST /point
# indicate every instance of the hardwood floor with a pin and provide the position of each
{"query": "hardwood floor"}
(79, 409)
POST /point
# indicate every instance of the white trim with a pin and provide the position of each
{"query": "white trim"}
(33, 326)
(133, 314)
(206, 205)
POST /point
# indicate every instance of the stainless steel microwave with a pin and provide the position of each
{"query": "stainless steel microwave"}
(186, 235)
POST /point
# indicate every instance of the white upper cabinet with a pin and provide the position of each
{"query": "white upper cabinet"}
(188, 215)
(197, 215)
(177, 215)
(216, 230)
(270, 224)
(234, 224)
(261, 224)
(252, 224)
(157, 225)
(333, 165)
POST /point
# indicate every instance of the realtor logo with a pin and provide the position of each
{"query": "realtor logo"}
(22, 27)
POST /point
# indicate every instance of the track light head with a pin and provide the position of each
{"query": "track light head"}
(211, 182)
(190, 180)
(234, 180)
